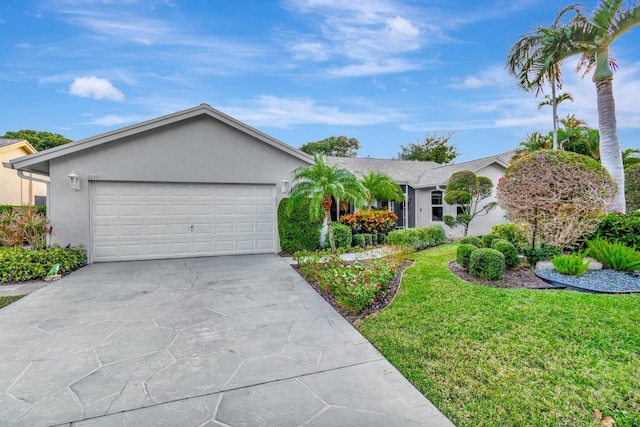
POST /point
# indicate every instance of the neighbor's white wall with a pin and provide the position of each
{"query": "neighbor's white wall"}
(201, 150)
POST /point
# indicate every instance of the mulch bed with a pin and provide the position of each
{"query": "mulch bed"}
(520, 277)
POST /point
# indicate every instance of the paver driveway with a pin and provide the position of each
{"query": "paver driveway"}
(239, 341)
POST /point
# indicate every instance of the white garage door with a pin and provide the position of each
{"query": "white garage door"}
(135, 221)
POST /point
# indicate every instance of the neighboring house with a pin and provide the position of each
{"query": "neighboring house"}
(198, 183)
(424, 183)
(15, 190)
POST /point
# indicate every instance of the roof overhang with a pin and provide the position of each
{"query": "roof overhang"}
(39, 161)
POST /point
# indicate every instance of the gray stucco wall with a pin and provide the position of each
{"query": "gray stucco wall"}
(198, 150)
(480, 224)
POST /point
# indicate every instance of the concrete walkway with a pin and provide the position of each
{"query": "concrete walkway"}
(225, 341)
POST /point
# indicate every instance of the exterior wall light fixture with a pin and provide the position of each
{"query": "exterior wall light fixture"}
(74, 181)
(285, 186)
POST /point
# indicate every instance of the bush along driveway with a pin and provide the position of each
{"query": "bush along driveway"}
(488, 356)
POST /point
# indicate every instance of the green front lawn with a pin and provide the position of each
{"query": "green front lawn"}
(511, 357)
(4, 301)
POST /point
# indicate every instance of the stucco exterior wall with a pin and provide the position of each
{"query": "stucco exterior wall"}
(13, 189)
(199, 150)
(480, 224)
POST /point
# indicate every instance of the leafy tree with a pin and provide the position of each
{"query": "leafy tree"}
(577, 137)
(536, 61)
(562, 195)
(39, 140)
(591, 38)
(435, 148)
(338, 146)
(381, 187)
(630, 157)
(534, 142)
(320, 184)
(467, 190)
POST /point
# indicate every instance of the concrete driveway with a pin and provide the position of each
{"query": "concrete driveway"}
(224, 341)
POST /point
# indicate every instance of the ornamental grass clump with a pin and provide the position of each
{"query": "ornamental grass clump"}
(615, 256)
(571, 264)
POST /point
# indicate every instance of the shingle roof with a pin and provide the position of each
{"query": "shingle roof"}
(416, 173)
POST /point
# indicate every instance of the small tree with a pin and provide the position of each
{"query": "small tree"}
(320, 184)
(561, 194)
(435, 148)
(381, 187)
(467, 190)
(338, 146)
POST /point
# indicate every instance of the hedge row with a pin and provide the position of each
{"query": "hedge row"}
(417, 238)
(18, 264)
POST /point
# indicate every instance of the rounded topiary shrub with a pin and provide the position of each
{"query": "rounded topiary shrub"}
(368, 239)
(382, 239)
(298, 231)
(358, 240)
(488, 238)
(342, 235)
(472, 240)
(511, 258)
(463, 253)
(487, 263)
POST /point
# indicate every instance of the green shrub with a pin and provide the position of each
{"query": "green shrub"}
(545, 252)
(417, 238)
(382, 239)
(488, 238)
(342, 235)
(632, 187)
(473, 240)
(516, 233)
(511, 258)
(358, 240)
(572, 264)
(624, 228)
(487, 263)
(18, 264)
(298, 231)
(370, 221)
(463, 253)
(368, 239)
(615, 256)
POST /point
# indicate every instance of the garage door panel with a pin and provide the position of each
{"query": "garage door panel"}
(150, 221)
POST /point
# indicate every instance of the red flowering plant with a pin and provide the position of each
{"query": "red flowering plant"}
(373, 222)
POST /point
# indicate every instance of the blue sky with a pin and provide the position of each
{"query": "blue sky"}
(386, 72)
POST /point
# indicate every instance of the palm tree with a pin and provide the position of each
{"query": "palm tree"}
(591, 38)
(321, 183)
(536, 60)
(630, 157)
(548, 100)
(381, 187)
(534, 142)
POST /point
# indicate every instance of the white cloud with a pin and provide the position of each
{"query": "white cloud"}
(271, 111)
(492, 77)
(111, 120)
(393, 65)
(96, 88)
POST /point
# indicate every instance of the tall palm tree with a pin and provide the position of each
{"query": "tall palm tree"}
(322, 183)
(381, 187)
(533, 142)
(591, 37)
(536, 61)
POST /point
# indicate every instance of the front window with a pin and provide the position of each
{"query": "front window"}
(436, 206)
